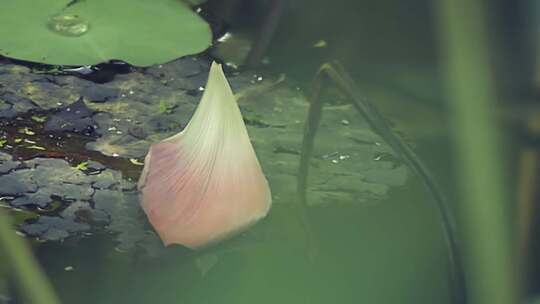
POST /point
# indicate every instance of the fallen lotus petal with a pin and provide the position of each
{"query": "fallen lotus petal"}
(205, 183)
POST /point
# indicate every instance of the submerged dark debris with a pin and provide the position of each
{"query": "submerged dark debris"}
(68, 200)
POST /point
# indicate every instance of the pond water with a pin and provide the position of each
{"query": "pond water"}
(72, 146)
(372, 223)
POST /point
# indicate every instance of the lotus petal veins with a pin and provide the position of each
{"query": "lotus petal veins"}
(205, 183)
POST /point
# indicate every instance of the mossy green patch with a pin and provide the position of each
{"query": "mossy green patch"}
(165, 107)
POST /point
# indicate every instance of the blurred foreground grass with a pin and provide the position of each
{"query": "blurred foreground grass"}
(483, 192)
(33, 285)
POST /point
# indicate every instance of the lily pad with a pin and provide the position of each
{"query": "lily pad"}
(64, 32)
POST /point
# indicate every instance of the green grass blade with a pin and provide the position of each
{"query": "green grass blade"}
(483, 193)
(34, 285)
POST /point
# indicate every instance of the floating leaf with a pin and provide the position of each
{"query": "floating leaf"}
(194, 2)
(82, 166)
(39, 118)
(68, 268)
(36, 147)
(27, 131)
(320, 44)
(165, 108)
(136, 162)
(64, 32)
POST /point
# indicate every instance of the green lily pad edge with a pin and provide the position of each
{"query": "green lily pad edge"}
(87, 32)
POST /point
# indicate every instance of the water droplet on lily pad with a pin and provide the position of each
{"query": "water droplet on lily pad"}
(68, 25)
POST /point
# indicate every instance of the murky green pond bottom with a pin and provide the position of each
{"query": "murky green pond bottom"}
(386, 252)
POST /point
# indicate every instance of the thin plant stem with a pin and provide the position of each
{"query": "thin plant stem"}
(265, 34)
(310, 131)
(483, 206)
(33, 284)
(377, 122)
